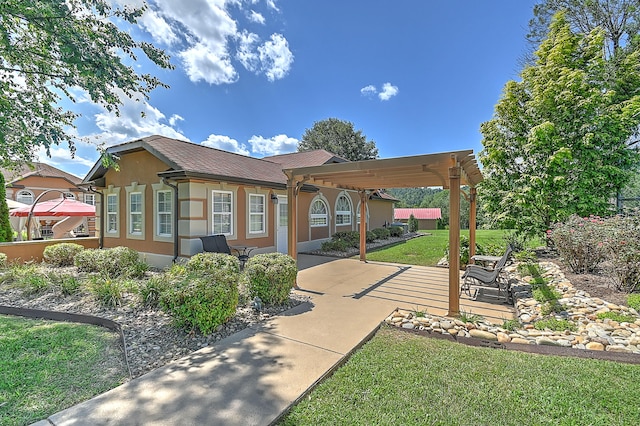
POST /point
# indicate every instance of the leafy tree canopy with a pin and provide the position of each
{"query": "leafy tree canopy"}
(338, 137)
(51, 49)
(559, 141)
(6, 232)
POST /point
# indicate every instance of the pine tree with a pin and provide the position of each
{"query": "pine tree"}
(6, 232)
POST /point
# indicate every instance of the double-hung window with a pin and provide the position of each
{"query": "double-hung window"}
(25, 197)
(112, 213)
(222, 212)
(343, 211)
(90, 199)
(256, 214)
(164, 213)
(135, 213)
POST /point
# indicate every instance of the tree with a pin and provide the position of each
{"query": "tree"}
(6, 232)
(558, 143)
(338, 137)
(50, 49)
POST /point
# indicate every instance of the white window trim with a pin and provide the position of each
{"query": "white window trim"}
(133, 213)
(130, 190)
(358, 214)
(347, 213)
(231, 214)
(263, 214)
(69, 195)
(91, 197)
(161, 187)
(316, 216)
(113, 192)
(26, 191)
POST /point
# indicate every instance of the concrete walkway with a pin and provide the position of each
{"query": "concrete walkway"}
(250, 378)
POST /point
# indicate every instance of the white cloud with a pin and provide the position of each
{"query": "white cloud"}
(137, 119)
(276, 58)
(225, 143)
(388, 91)
(174, 120)
(61, 158)
(199, 32)
(256, 17)
(369, 90)
(280, 144)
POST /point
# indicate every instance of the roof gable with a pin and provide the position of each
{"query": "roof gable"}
(25, 170)
(316, 157)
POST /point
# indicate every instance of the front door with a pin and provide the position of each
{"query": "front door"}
(282, 217)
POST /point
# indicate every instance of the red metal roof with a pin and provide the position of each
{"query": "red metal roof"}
(425, 213)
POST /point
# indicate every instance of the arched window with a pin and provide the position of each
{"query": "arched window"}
(358, 214)
(319, 213)
(343, 210)
(70, 195)
(24, 196)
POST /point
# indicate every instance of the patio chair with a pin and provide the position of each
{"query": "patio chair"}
(218, 244)
(488, 277)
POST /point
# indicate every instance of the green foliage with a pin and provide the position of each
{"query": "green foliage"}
(3, 260)
(510, 324)
(61, 254)
(419, 313)
(616, 316)
(108, 291)
(464, 250)
(381, 233)
(370, 237)
(214, 264)
(554, 324)
(350, 237)
(67, 283)
(633, 300)
(336, 245)
(35, 283)
(113, 262)
(551, 307)
(622, 252)
(470, 317)
(271, 277)
(150, 291)
(396, 231)
(338, 137)
(544, 158)
(6, 232)
(413, 224)
(54, 46)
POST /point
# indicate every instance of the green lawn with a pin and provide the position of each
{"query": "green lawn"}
(48, 366)
(429, 249)
(403, 379)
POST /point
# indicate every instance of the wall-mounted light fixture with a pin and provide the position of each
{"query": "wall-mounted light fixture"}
(274, 198)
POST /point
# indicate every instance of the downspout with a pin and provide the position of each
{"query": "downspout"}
(101, 235)
(175, 218)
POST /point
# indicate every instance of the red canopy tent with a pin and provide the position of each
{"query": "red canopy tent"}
(57, 207)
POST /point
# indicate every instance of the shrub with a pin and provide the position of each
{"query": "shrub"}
(198, 300)
(396, 231)
(61, 254)
(525, 255)
(464, 251)
(350, 237)
(67, 284)
(151, 290)
(633, 300)
(616, 316)
(271, 277)
(579, 242)
(622, 252)
(370, 237)
(107, 291)
(381, 233)
(554, 324)
(517, 241)
(510, 324)
(413, 224)
(3, 260)
(216, 264)
(336, 245)
(112, 262)
(34, 283)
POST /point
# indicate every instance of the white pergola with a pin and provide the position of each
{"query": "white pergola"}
(449, 170)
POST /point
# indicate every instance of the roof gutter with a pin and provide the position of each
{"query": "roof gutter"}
(176, 174)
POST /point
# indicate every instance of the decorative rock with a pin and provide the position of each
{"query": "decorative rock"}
(481, 334)
(445, 325)
(546, 341)
(408, 325)
(503, 337)
(594, 346)
(521, 341)
(618, 348)
(452, 331)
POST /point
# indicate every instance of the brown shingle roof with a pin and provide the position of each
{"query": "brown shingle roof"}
(24, 170)
(317, 157)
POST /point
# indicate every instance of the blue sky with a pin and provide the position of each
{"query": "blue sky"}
(415, 76)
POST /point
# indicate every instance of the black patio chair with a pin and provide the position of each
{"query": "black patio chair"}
(488, 277)
(218, 244)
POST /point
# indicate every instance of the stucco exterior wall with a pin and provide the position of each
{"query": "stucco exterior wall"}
(32, 250)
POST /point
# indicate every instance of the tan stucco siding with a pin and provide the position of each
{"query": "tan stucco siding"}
(379, 212)
(38, 184)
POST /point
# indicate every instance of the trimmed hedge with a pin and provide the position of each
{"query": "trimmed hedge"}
(113, 262)
(61, 254)
(271, 277)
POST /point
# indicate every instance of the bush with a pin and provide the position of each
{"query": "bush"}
(109, 291)
(381, 233)
(413, 224)
(622, 252)
(633, 300)
(271, 277)
(113, 262)
(464, 251)
(336, 245)
(616, 316)
(518, 241)
(199, 297)
(151, 290)
(396, 231)
(579, 242)
(370, 237)
(61, 254)
(215, 263)
(3, 260)
(352, 238)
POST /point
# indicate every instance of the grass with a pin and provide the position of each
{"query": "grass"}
(48, 366)
(402, 378)
(429, 249)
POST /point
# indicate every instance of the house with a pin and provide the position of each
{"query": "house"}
(427, 217)
(168, 193)
(30, 182)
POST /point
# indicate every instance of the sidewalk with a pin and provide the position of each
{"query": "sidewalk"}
(250, 378)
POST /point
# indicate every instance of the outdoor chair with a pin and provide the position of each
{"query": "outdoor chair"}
(487, 277)
(218, 244)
